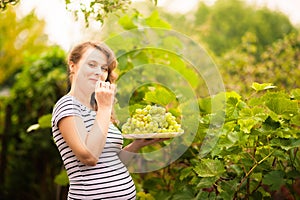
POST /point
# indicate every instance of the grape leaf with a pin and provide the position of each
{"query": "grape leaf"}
(207, 182)
(127, 22)
(185, 172)
(247, 124)
(264, 86)
(282, 106)
(275, 179)
(209, 168)
(295, 94)
(155, 21)
(160, 96)
(285, 144)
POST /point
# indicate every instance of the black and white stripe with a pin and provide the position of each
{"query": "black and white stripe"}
(109, 179)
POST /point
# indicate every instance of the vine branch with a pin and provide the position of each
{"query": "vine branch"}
(251, 170)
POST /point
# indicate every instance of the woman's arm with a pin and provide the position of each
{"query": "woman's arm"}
(88, 146)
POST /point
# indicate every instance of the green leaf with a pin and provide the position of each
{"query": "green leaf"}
(264, 86)
(207, 182)
(187, 193)
(45, 121)
(209, 168)
(233, 94)
(127, 22)
(62, 178)
(248, 118)
(144, 196)
(295, 94)
(259, 113)
(247, 124)
(283, 106)
(275, 179)
(295, 120)
(185, 172)
(206, 195)
(154, 20)
(227, 189)
(231, 108)
(160, 96)
(284, 143)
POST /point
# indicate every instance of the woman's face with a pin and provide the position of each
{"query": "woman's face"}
(91, 68)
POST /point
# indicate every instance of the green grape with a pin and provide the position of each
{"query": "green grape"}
(151, 119)
(138, 111)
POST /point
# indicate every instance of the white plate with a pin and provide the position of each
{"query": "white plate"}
(152, 135)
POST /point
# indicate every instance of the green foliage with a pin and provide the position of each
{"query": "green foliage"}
(257, 152)
(220, 32)
(37, 87)
(98, 10)
(260, 87)
(4, 3)
(43, 122)
(223, 31)
(16, 38)
(277, 64)
(62, 178)
(253, 155)
(160, 96)
(136, 20)
(258, 142)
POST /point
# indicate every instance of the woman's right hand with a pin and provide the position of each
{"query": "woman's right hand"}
(104, 94)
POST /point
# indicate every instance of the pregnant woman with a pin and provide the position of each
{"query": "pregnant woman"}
(91, 147)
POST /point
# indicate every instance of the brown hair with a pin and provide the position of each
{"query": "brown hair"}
(77, 52)
(75, 56)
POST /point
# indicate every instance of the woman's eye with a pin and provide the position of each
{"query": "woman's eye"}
(92, 65)
(104, 69)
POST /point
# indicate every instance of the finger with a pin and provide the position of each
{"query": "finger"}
(103, 84)
(100, 83)
(112, 87)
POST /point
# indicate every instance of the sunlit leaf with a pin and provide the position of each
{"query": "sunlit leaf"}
(209, 168)
(283, 106)
(127, 22)
(295, 94)
(144, 196)
(62, 178)
(247, 124)
(154, 20)
(264, 86)
(33, 127)
(160, 96)
(45, 121)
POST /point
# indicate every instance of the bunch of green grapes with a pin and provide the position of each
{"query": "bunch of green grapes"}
(151, 119)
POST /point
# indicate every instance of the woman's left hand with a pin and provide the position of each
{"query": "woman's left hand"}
(137, 144)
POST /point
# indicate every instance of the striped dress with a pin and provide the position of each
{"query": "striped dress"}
(109, 179)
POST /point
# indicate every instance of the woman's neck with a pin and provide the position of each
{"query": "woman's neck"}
(83, 97)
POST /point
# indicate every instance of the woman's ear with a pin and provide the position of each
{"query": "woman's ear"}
(71, 67)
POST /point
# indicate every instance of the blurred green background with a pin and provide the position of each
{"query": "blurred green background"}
(257, 52)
